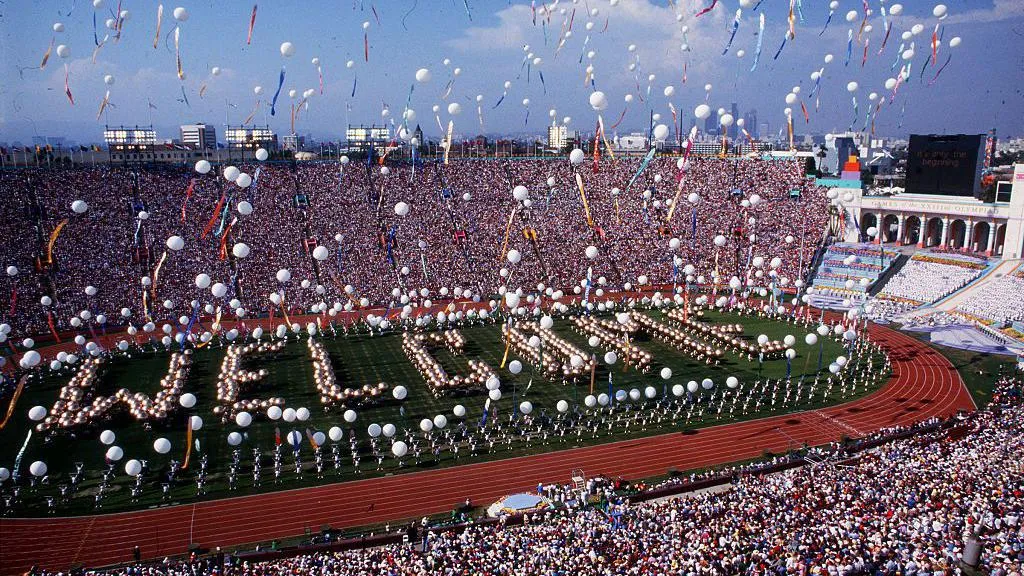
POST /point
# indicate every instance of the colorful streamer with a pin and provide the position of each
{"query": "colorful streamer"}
(14, 400)
(943, 67)
(760, 41)
(252, 114)
(177, 52)
(785, 38)
(103, 105)
(280, 83)
(827, 22)
(708, 9)
(156, 272)
(252, 24)
(46, 56)
(159, 22)
(643, 166)
(735, 27)
(583, 196)
(849, 46)
(53, 239)
(67, 86)
(213, 219)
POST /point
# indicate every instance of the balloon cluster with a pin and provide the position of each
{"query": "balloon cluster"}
(232, 379)
(331, 392)
(416, 348)
(70, 411)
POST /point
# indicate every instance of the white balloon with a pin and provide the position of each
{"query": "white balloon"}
(38, 468)
(162, 445)
(399, 448)
(243, 419)
(187, 400)
(107, 437)
(598, 101)
(287, 49)
(180, 14)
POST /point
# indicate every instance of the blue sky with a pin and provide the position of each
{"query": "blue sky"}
(979, 90)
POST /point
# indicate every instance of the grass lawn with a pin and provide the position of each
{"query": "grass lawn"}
(357, 360)
(979, 371)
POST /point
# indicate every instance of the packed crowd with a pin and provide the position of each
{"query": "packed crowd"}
(925, 281)
(1001, 300)
(906, 507)
(107, 260)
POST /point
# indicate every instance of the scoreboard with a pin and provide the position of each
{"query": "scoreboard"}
(947, 165)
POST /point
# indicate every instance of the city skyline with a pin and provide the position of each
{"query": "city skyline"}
(488, 51)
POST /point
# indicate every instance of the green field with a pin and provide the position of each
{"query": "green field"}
(357, 360)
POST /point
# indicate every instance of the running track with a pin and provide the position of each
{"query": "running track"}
(923, 384)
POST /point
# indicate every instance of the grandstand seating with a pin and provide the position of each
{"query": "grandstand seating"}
(848, 271)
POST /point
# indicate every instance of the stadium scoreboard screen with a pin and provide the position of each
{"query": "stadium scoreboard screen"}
(945, 165)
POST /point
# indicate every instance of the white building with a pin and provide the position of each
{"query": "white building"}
(956, 222)
(199, 136)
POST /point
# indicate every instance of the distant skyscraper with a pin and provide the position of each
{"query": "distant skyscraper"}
(711, 125)
(750, 119)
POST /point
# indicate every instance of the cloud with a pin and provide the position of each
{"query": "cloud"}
(1000, 11)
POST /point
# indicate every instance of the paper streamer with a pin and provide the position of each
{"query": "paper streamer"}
(156, 272)
(14, 400)
(849, 46)
(251, 114)
(252, 23)
(791, 20)
(943, 67)
(735, 27)
(46, 56)
(643, 166)
(583, 196)
(448, 139)
(760, 41)
(827, 22)
(67, 86)
(103, 105)
(188, 195)
(280, 83)
(213, 219)
(708, 9)
(177, 52)
(785, 37)
(159, 22)
(53, 239)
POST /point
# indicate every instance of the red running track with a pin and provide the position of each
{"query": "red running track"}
(923, 384)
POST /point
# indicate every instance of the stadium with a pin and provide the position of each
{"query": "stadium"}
(689, 350)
